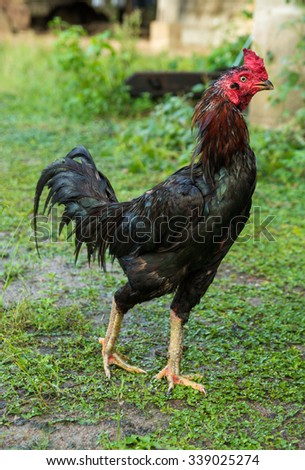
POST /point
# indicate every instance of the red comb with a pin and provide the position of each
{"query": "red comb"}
(253, 62)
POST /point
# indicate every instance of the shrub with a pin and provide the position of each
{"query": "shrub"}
(280, 153)
(93, 70)
(162, 140)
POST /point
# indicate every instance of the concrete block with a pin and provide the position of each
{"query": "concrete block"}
(165, 35)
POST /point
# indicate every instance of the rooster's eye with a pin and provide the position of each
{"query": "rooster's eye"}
(243, 78)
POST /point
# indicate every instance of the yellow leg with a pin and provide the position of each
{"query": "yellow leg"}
(172, 370)
(110, 356)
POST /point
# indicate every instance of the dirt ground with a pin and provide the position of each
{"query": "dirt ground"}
(66, 434)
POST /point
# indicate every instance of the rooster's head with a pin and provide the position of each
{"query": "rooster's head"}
(240, 84)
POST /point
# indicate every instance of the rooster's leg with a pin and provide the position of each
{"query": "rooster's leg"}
(110, 356)
(172, 370)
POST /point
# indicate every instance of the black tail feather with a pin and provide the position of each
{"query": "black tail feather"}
(85, 194)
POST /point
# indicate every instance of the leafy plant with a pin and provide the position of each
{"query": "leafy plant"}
(93, 69)
(225, 55)
(160, 142)
(280, 153)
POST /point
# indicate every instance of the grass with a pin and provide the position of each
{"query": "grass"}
(246, 337)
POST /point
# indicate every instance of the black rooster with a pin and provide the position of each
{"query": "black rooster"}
(174, 236)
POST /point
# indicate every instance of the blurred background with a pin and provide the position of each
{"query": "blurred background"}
(182, 27)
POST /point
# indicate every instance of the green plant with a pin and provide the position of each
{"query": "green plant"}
(160, 142)
(94, 68)
(280, 153)
(128, 33)
(225, 55)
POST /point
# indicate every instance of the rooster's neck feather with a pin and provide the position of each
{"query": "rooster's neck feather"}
(222, 131)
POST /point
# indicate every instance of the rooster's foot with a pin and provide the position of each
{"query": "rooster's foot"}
(117, 359)
(174, 379)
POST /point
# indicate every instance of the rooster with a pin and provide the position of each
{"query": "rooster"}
(173, 237)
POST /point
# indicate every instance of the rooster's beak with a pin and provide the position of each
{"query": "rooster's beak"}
(265, 85)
